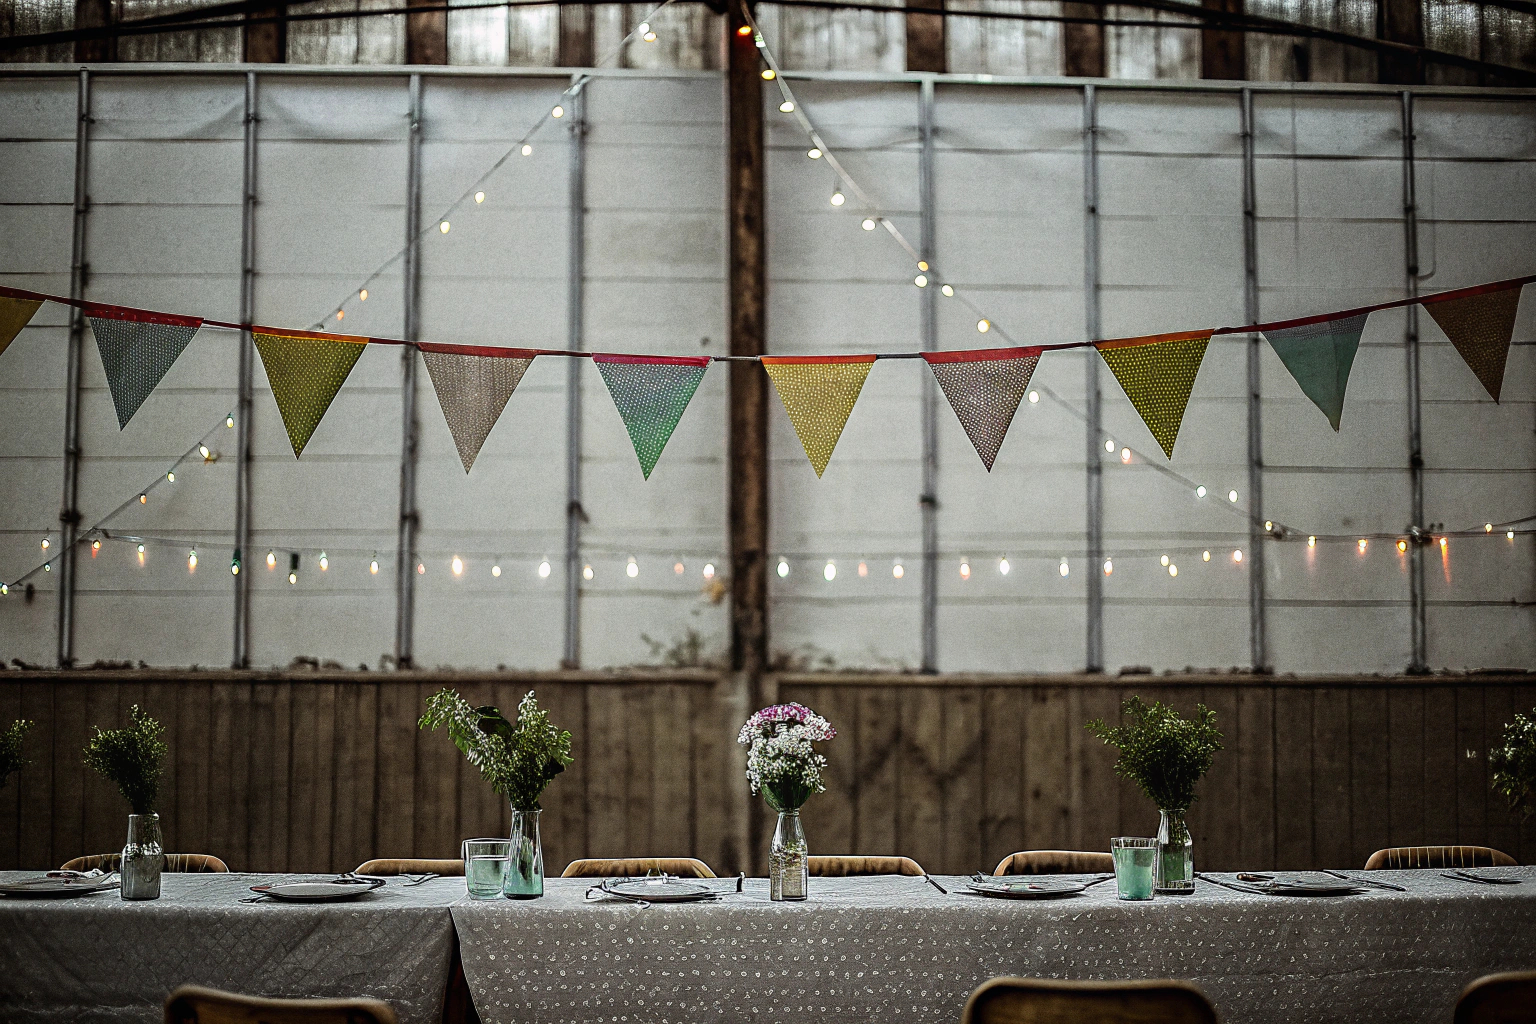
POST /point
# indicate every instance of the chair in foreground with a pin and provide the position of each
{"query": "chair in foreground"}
(178, 862)
(636, 867)
(1041, 1001)
(1055, 862)
(385, 867)
(1498, 999)
(1439, 857)
(192, 1005)
(847, 867)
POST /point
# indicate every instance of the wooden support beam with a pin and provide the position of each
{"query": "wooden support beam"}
(426, 33)
(1082, 45)
(576, 36)
(266, 42)
(1223, 52)
(94, 14)
(1400, 21)
(926, 49)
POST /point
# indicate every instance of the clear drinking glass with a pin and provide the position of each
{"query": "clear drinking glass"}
(1135, 862)
(485, 867)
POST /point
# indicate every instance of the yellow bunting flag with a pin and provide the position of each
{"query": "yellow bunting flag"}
(305, 370)
(1480, 327)
(1158, 373)
(14, 315)
(818, 392)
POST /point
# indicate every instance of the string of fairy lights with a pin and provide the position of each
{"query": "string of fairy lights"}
(627, 562)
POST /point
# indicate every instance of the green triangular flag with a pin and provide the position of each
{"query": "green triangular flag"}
(1320, 356)
(651, 393)
(306, 371)
(1158, 373)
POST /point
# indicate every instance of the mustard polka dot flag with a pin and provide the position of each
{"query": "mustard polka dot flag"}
(1157, 374)
(818, 393)
(15, 313)
(305, 370)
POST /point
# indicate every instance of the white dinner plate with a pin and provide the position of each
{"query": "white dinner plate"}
(59, 888)
(316, 892)
(1029, 890)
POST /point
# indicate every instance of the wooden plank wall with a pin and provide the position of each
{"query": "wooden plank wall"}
(320, 771)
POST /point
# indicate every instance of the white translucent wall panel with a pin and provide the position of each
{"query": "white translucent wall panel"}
(1289, 59)
(221, 44)
(825, 40)
(37, 157)
(1147, 51)
(374, 39)
(688, 37)
(997, 46)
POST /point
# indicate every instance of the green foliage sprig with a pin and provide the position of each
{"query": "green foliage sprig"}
(130, 758)
(517, 760)
(10, 749)
(1514, 765)
(1161, 751)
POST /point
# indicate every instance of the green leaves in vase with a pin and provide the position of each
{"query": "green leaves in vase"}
(518, 760)
(130, 758)
(1161, 751)
(1513, 763)
(10, 749)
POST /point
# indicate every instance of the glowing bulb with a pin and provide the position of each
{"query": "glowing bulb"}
(95, 547)
(921, 281)
(457, 565)
(1165, 561)
(341, 314)
(1109, 444)
(1034, 398)
(496, 571)
(373, 565)
(786, 107)
(192, 560)
(1109, 567)
(325, 561)
(983, 326)
(678, 568)
(141, 554)
(229, 421)
(922, 264)
(559, 111)
(643, 27)
(47, 567)
(1205, 556)
(1362, 545)
(1509, 535)
(170, 476)
(948, 291)
(271, 560)
(1311, 542)
(202, 450)
(293, 578)
(1003, 566)
(649, 37)
(813, 153)
(1064, 569)
(632, 569)
(1443, 542)
(1402, 545)
(869, 224)
(1487, 527)
(829, 572)
(141, 549)
(837, 199)
(1173, 570)
(443, 226)
(783, 568)
(863, 569)
(1232, 497)
(234, 568)
(362, 296)
(1125, 456)
(479, 198)
(4, 589)
(544, 569)
(527, 150)
(709, 570)
(46, 543)
(965, 569)
(744, 30)
(421, 568)
(1268, 525)
(1237, 554)
(898, 571)
(143, 499)
(769, 74)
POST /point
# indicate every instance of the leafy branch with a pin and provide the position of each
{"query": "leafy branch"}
(517, 760)
(1161, 751)
(1514, 766)
(10, 749)
(130, 758)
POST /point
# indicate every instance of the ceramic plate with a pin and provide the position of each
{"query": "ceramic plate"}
(59, 888)
(670, 891)
(1029, 890)
(316, 892)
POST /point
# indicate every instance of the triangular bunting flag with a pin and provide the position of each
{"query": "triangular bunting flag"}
(1320, 356)
(1480, 327)
(984, 388)
(651, 393)
(1158, 373)
(14, 315)
(818, 392)
(305, 371)
(137, 349)
(473, 385)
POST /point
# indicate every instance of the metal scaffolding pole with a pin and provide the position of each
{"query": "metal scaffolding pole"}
(1418, 661)
(930, 404)
(405, 560)
(69, 511)
(1095, 466)
(242, 580)
(1259, 651)
(574, 300)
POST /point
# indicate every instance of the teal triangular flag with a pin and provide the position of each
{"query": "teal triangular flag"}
(136, 355)
(651, 393)
(1319, 356)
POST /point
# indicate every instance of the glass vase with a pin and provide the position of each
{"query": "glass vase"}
(525, 871)
(789, 860)
(1175, 855)
(143, 858)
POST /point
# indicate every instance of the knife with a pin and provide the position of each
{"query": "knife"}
(1364, 881)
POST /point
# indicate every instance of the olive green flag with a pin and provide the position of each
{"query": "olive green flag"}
(305, 371)
(1320, 357)
(1158, 373)
(14, 315)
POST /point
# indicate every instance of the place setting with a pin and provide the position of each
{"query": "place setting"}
(63, 885)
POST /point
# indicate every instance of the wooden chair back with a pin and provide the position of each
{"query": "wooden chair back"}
(1042, 1001)
(177, 862)
(1055, 862)
(846, 867)
(390, 866)
(636, 867)
(1498, 999)
(192, 1005)
(1439, 857)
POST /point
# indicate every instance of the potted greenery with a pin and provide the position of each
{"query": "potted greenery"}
(131, 759)
(518, 760)
(10, 749)
(1514, 765)
(1166, 755)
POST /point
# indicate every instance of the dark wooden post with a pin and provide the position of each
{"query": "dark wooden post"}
(925, 37)
(1082, 45)
(266, 42)
(1224, 52)
(576, 36)
(426, 34)
(1400, 21)
(94, 14)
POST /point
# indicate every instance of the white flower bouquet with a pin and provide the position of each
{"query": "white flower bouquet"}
(781, 763)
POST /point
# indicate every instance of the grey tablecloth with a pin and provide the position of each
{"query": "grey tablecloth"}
(98, 958)
(894, 949)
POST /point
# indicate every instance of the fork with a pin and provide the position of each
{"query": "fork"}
(424, 878)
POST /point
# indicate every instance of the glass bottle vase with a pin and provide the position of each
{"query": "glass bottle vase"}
(143, 858)
(789, 860)
(525, 871)
(1175, 873)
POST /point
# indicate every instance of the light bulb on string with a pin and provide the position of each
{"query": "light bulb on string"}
(325, 561)
(948, 291)
(271, 560)
(1003, 566)
(527, 150)
(922, 264)
(362, 295)
(544, 569)
(787, 107)
(1165, 560)
(649, 37)
(1509, 535)
(757, 41)
(1311, 542)
(769, 74)
(829, 571)
(863, 569)
(1173, 570)
(1205, 556)
(783, 568)
(1269, 526)
(1402, 545)
(1232, 497)
(95, 547)
(559, 111)
(373, 565)
(341, 314)
(205, 452)
(443, 226)
(1109, 567)
(838, 199)
(643, 27)
(709, 570)
(143, 499)
(1362, 545)
(744, 30)
(141, 554)
(229, 421)
(192, 560)
(868, 224)
(814, 153)
(1237, 555)
(293, 578)
(1125, 456)
(496, 570)
(47, 567)
(421, 568)
(47, 543)
(965, 568)
(457, 565)
(1034, 398)
(898, 570)
(5, 589)
(1109, 444)
(921, 281)
(1487, 527)
(479, 198)
(1064, 569)
(632, 568)
(586, 572)
(293, 567)
(982, 326)
(234, 563)
(678, 568)
(170, 476)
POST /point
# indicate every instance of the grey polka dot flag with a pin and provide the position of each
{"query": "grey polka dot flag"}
(136, 351)
(473, 385)
(984, 388)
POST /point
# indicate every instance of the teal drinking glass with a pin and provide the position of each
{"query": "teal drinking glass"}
(1135, 861)
(485, 867)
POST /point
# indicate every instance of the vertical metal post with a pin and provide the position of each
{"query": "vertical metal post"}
(1419, 660)
(69, 512)
(930, 495)
(405, 568)
(242, 652)
(1259, 651)
(1095, 465)
(575, 294)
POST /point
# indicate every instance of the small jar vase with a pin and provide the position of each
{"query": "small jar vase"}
(143, 858)
(1175, 873)
(525, 870)
(789, 860)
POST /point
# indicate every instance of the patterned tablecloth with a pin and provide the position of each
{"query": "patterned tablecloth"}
(895, 949)
(98, 958)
